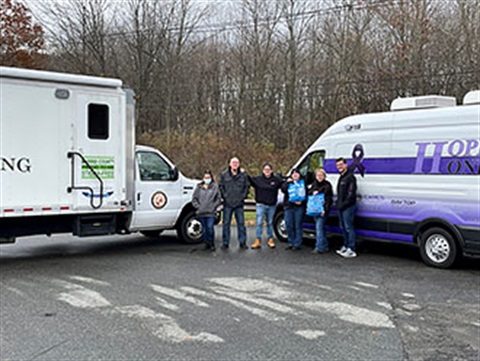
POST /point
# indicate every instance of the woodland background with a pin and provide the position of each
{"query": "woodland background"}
(257, 79)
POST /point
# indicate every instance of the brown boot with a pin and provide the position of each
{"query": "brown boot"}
(271, 243)
(257, 244)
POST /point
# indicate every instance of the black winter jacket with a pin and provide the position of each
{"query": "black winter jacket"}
(266, 189)
(324, 187)
(346, 190)
(234, 188)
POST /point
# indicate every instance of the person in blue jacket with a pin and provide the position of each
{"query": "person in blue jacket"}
(294, 208)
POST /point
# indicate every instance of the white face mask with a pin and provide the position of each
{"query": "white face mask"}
(207, 180)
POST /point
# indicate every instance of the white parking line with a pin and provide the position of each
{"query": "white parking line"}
(351, 313)
(164, 327)
(275, 306)
(367, 285)
(81, 297)
(178, 295)
(310, 334)
(165, 304)
(89, 280)
(388, 306)
(256, 311)
(256, 286)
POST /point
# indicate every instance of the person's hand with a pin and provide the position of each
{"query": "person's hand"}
(298, 203)
(290, 180)
(322, 214)
(315, 193)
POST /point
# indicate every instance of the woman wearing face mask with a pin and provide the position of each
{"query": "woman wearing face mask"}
(206, 199)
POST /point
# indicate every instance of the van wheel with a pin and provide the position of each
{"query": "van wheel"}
(438, 248)
(152, 234)
(279, 227)
(190, 229)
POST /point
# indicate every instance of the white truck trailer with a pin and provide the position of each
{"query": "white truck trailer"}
(418, 175)
(69, 164)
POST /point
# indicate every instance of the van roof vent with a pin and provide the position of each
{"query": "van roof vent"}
(427, 101)
(472, 97)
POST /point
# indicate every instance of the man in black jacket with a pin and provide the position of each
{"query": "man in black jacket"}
(346, 206)
(234, 188)
(266, 193)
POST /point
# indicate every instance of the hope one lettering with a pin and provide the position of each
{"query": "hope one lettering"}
(13, 164)
(463, 154)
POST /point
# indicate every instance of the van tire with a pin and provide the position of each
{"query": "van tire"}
(438, 248)
(189, 229)
(279, 226)
(152, 234)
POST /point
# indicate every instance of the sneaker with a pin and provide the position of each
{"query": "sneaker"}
(207, 246)
(271, 243)
(349, 253)
(257, 244)
(243, 246)
(224, 247)
(341, 250)
(319, 251)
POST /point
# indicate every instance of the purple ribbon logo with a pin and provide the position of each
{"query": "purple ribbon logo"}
(357, 157)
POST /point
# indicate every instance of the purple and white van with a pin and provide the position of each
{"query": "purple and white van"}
(418, 175)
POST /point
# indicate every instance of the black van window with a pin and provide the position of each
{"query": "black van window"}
(98, 121)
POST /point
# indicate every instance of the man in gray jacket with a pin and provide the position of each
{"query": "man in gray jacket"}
(234, 188)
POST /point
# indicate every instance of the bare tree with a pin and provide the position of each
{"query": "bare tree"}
(81, 39)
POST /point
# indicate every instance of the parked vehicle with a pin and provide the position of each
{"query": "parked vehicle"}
(69, 163)
(418, 175)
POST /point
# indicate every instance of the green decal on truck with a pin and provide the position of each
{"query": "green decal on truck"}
(104, 166)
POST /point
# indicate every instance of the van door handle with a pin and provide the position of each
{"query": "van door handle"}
(139, 196)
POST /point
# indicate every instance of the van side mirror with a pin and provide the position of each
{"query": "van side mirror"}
(174, 174)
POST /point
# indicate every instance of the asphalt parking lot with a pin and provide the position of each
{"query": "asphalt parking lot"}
(134, 298)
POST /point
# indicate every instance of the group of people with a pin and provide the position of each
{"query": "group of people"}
(233, 188)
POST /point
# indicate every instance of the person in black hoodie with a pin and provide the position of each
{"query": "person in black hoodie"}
(321, 186)
(294, 209)
(234, 187)
(346, 206)
(266, 187)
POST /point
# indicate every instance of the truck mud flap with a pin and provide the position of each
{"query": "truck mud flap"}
(95, 225)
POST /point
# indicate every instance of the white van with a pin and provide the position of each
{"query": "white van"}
(69, 164)
(418, 175)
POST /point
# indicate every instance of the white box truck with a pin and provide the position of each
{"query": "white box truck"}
(418, 175)
(68, 162)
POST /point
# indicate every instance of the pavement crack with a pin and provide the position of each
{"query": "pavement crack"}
(43, 352)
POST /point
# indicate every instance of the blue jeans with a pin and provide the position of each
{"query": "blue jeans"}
(322, 241)
(346, 223)
(264, 211)
(293, 221)
(208, 230)
(227, 219)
